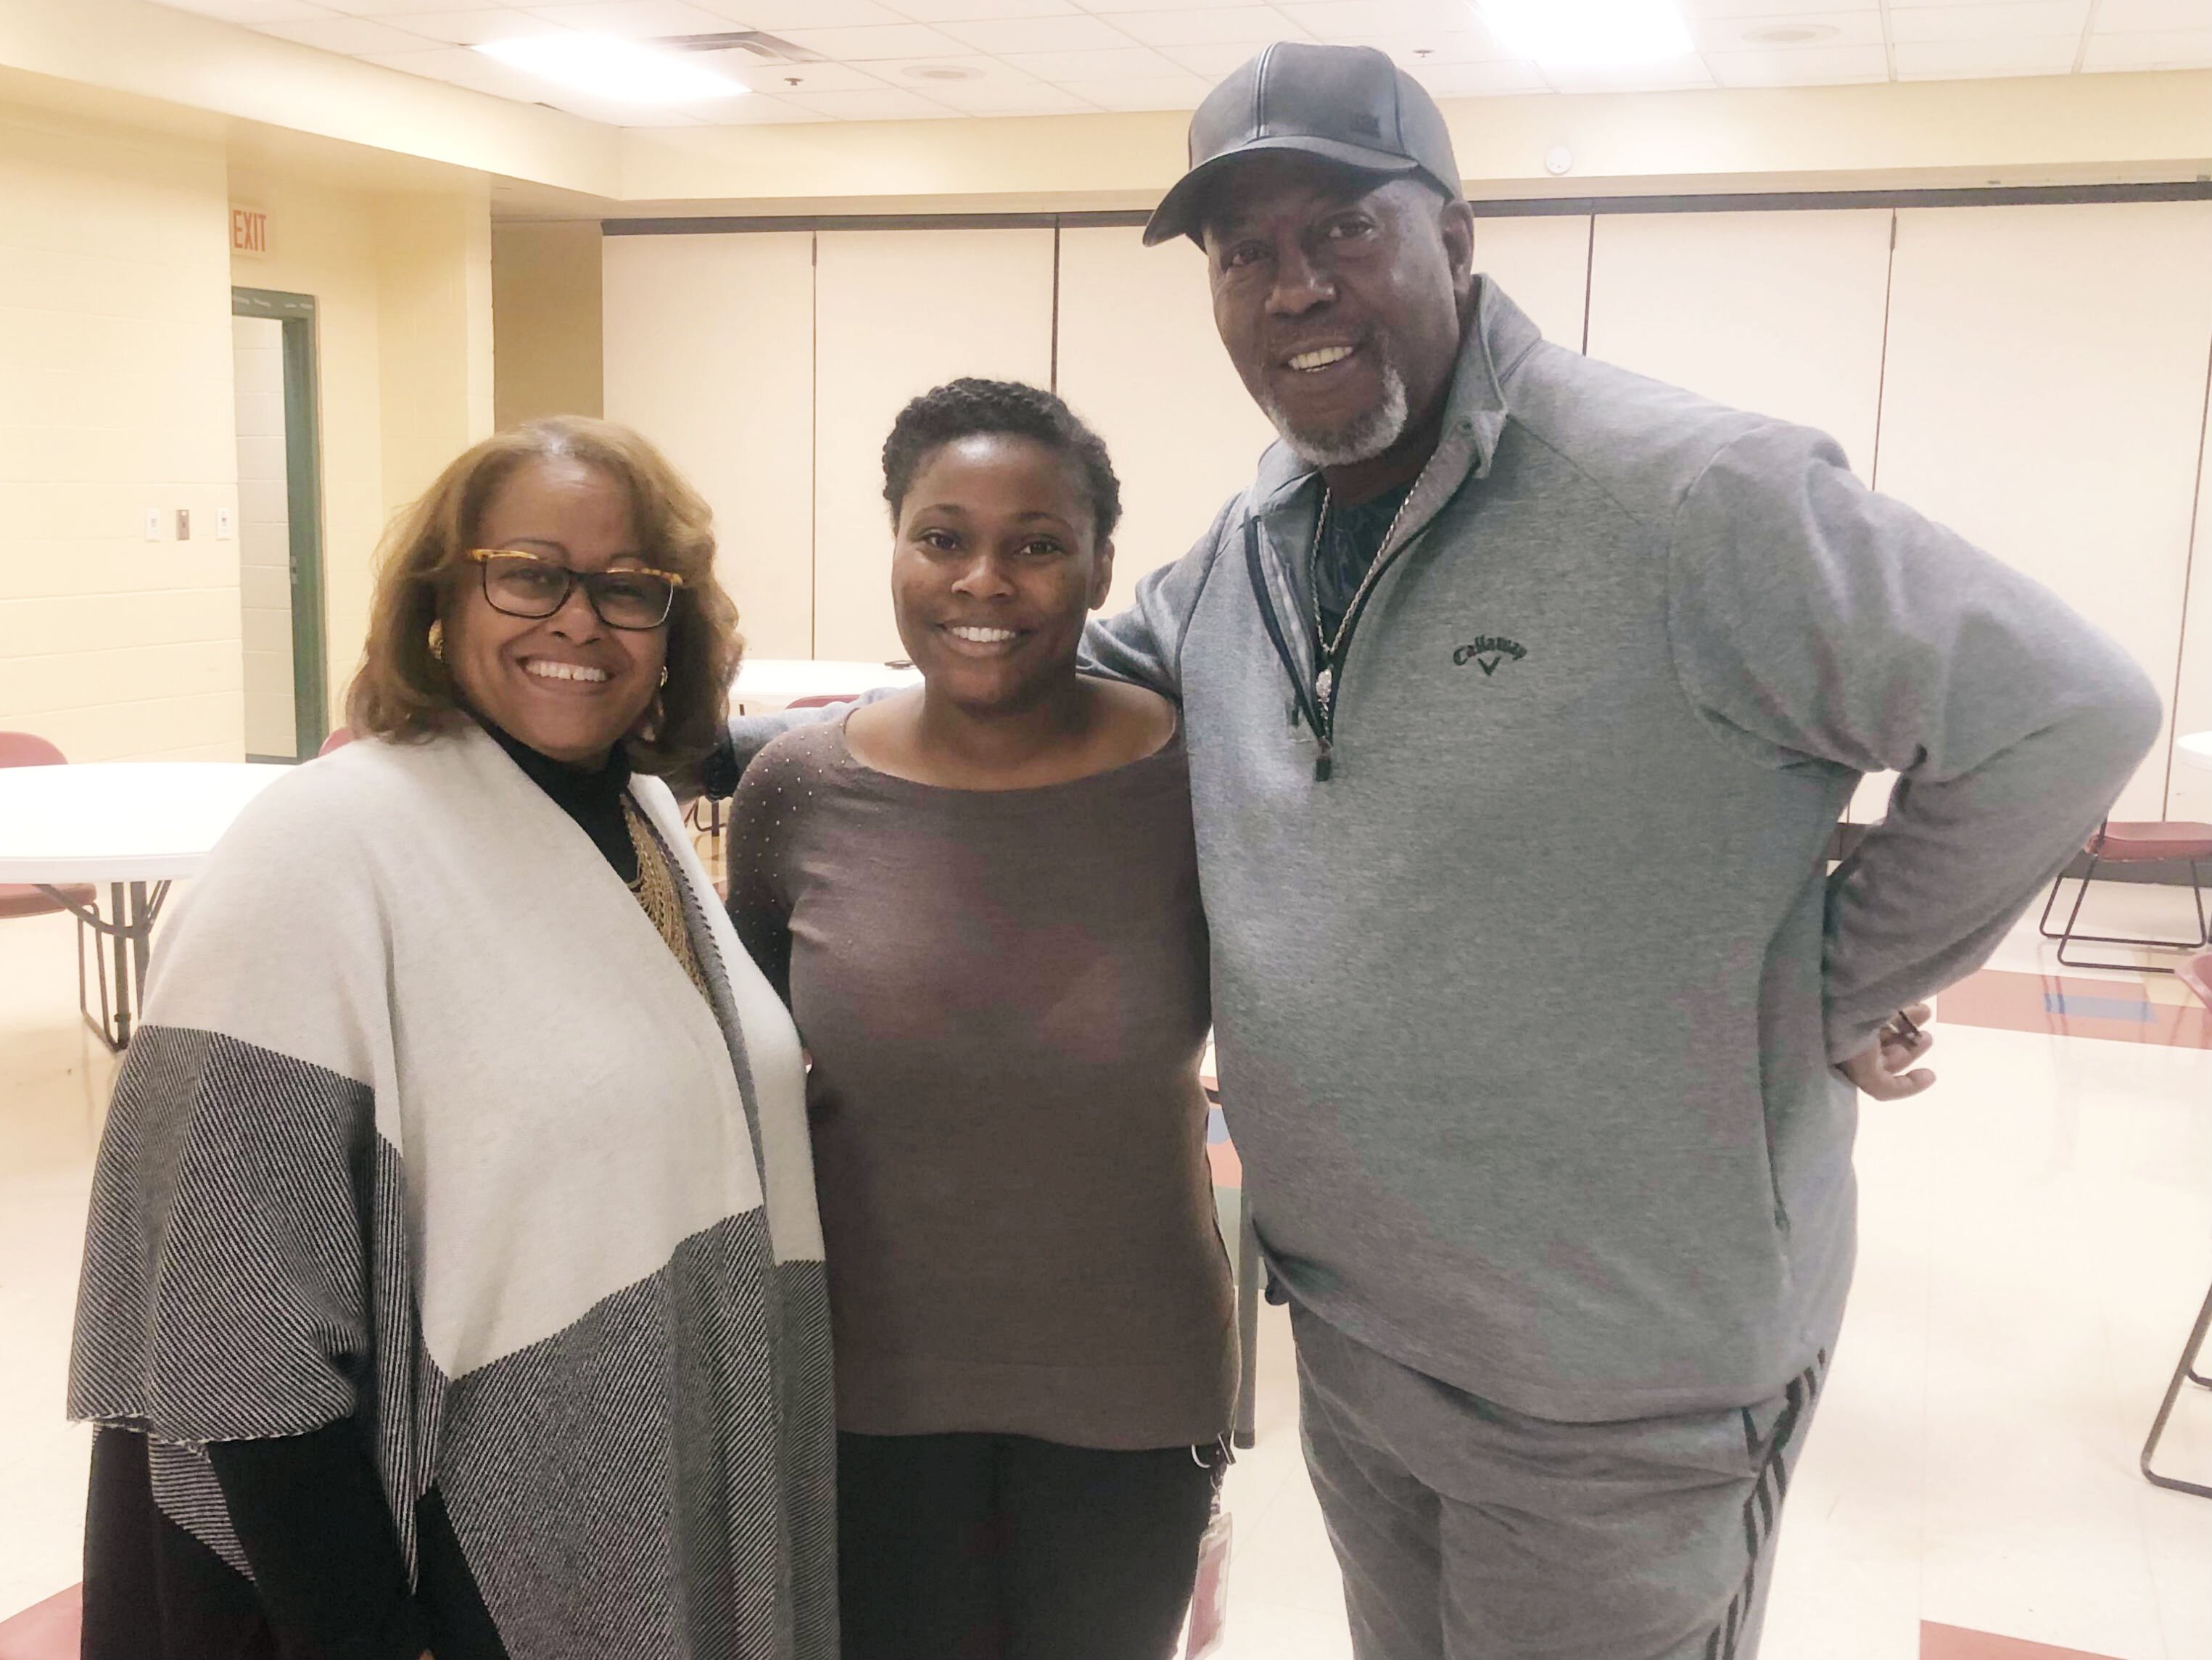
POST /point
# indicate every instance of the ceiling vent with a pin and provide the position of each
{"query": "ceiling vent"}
(768, 48)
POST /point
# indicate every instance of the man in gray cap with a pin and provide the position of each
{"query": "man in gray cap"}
(1522, 696)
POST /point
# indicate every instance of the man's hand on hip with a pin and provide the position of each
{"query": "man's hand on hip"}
(1881, 1068)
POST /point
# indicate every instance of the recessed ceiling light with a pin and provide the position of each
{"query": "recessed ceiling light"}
(943, 72)
(1789, 34)
(607, 66)
(1589, 33)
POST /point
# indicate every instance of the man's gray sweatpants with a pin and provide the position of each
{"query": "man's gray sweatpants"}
(1468, 1531)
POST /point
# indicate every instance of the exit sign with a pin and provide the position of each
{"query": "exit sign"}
(249, 230)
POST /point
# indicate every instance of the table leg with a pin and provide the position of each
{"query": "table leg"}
(129, 927)
(119, 1038)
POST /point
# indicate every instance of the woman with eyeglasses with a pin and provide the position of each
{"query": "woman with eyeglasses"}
(980, 897)
(454, 1283)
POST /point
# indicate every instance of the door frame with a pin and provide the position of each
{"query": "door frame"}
(303, 500)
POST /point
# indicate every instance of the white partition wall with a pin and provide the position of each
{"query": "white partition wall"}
(710, 353)
(2045, 396)
(1542, 262)
(897, 313)
(1780, 312)
(1141, 362)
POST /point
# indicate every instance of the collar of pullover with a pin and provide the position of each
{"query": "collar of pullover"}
(1500, 335)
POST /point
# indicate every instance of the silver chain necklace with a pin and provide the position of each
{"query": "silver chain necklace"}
(1325, 681)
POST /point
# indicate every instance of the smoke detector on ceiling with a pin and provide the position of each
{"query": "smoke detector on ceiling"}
(943, 72)
(1790, 34)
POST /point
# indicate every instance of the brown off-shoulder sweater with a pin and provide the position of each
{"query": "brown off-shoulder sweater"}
(1005, 994)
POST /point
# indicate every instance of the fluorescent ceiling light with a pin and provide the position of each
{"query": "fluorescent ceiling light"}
(607, 66)
(1589, 33)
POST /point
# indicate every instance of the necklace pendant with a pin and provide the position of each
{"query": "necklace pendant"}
(1323, 682)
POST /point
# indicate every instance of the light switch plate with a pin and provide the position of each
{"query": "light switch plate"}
(153, 523)
(184, 524)
(224, 531)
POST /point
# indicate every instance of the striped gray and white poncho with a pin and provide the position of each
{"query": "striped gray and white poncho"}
(426, 1130)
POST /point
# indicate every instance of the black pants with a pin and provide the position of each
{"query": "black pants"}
(1005, 1547)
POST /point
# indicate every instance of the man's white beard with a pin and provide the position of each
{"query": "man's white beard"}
(1362, 439)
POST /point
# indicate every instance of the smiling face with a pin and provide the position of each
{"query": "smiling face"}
(1340, 301)
(568, 685)
(996, 566)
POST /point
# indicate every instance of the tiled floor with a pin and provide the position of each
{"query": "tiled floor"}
(2036, 1236)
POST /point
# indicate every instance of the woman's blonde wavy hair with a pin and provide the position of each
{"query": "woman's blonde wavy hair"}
(405, 693)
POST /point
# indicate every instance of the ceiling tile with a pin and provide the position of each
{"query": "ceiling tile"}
(386, 8)
(777, 16)
(639, 20)
(1114, 8)
(888, 41)
(1148, 92)
(1831, 29)
(888, 104)
(2150, 49)
(2005, 21)
(1494, 79)
(748, 71)
(956, 11)
(761, 112)
(1012, 96)
(1696, 10)
(354, 36)
(458, 66)
(1967, 60)
(1075, 32)
(470, 28)
(2133, 16)
(1670, 75)
(254, 12)
(1216, 60)
(1355, 19)
(1460, 46)
(1208, 26)
(1801, 66)
(1077, 69)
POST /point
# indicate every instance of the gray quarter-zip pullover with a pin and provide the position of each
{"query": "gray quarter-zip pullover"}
(1526, 1010)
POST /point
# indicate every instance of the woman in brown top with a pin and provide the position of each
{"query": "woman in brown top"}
(981, 898)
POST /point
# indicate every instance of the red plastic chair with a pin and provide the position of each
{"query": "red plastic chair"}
(2196, 974)
(337, 740)
(51, 1630)
(23, 749)
(2136, 843)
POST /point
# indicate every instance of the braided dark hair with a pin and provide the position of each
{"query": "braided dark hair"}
(967, 408)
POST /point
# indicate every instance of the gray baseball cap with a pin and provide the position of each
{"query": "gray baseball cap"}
(1345, 104)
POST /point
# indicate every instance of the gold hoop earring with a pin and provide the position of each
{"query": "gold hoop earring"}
(664, 674)
(437, 639)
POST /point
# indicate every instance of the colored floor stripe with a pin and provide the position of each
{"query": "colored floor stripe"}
(2065, 1005)
(1957, 1642)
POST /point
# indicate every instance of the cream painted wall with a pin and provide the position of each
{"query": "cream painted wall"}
(1780, 312)
(897, 313)
(433, 286)
(2044, 395)
(1141, 361)
(710, 353)
(2189, 789)
(1542, 263)
(115, 398)
(546, 321)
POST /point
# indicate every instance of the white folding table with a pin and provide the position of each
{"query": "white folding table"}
(132, 827)
(2194, 749)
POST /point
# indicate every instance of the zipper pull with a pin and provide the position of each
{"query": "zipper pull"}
(1321, 761)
